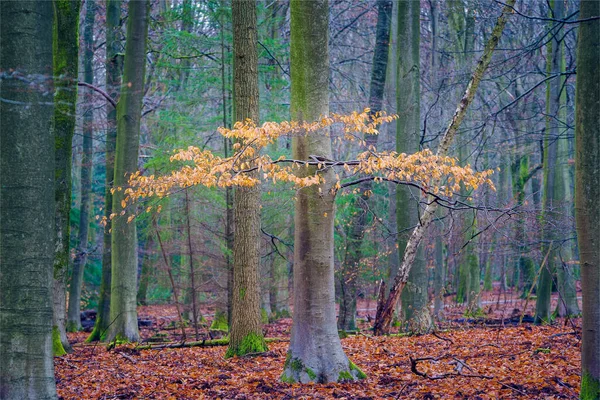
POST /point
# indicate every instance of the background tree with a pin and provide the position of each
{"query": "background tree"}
(65, 59)
(408, 137)
(81, 253)
(27, 235)
(113, 83)
(124, 260)
(587, 192)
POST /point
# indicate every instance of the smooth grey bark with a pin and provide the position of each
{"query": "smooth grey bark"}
(27, 213)
(245, 335)
(315, 353)
(113, 83)
(74, 310)
(415, 313)
(65, 59)
(124, 260)
(587, 192)
(350, 271)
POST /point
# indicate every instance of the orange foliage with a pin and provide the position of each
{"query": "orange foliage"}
(203, 167)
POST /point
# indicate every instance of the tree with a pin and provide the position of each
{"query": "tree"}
(65, 59)
(351, 268)
(315, 353)
(74, 311)
(245, 335)
(587, 192)
(27, 212)
(113, 83)
(415, 310)
(123, 313)
(386, 305)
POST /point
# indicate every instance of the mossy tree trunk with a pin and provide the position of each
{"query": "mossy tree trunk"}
(246, 329)
(113, 86)
(587, 193)
(315, 353)
(351, 268)
(74, 310)
(27, 212)
(408, 137)
(65, 59)
(124, 260)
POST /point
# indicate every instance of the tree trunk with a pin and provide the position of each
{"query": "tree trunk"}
(554, 190)
(408, 136)
(123, 313)
(351, 268)
(385, 308)
(74, 311)
(65, 60)
(27, 235)
(113, 84)
(246, 329)
(315, 353)
(587, 193)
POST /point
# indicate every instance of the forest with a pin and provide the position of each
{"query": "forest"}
(281, 199)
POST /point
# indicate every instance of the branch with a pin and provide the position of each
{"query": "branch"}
(98, 90)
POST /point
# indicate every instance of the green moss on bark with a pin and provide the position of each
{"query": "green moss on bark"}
(57, 347)
(220, 322)
(590, 387)
(359, 373)
(252, 343)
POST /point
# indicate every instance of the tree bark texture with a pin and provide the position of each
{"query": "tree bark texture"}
(124, 260)
(587, 192)
(351, 268)
(27, 214)
(246, 329)
(408, 137)
(65, 59)
(74, 311)
(385, 309)
(113, 84)
(315, 353)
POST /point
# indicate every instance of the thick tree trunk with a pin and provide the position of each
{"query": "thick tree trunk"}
(587, 193)
(245, 335)
(386, 307)
(351, 268)
(113, 84)
(124, 260)
(65, 58)
(27, 212)
(315, 353)
(74, 311)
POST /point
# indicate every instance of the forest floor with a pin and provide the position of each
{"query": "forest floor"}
(466, 358)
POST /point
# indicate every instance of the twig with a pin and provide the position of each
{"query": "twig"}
(434, 333)
(513, 388)
(128, 357)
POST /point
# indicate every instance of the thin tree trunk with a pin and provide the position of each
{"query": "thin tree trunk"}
(246, 329)
(415, 312)
(113, 84)
(27, 211)
(386, 307)
(553, 183)
(74, 311)
(196, 316)
(65, 59)
(123, 313)
(587, 193)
